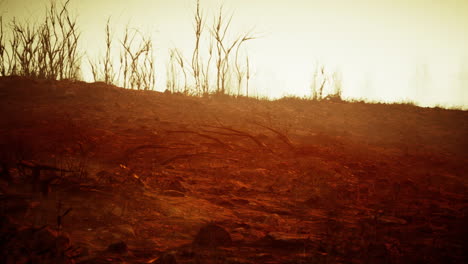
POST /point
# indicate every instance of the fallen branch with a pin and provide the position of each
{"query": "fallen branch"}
(131, 151)
(186, 156)
(201, 135)
(280, 135)
(38, 167)
(240, 134)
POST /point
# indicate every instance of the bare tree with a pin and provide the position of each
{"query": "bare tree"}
(180, 59)
(319, 80)
(324, 81)
(60, 38)
(240, 72)
(3, 52)
(107, 72)
(196, 64)
(171, 81)
(137, 64)
(26, 47)
(322, 78)
(247, 76)
(43, 50)
(206, 70)
(337, 92)
(224, 48)
(220, 49)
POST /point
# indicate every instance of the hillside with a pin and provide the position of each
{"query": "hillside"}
(92, 173)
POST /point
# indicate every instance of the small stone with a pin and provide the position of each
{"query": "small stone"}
(118, 248)
(175, 186)
(7, 224)
(43, 239)
(212, 235)
(62, 243)
(40, 243)
(274, 220)
(173, 193)
(285, 240)
(314, 201)
(167, 258)
(392, 220)
(125, 230)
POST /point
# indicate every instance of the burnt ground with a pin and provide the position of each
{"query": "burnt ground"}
(93, 173)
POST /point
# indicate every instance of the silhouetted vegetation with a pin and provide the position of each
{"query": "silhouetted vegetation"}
(219, 47)
(322, 78)
(48, 50)
(136, 62)
(103, 69)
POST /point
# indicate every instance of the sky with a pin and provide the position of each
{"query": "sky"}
(386, 50)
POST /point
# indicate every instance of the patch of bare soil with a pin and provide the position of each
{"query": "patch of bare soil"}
(92, 173)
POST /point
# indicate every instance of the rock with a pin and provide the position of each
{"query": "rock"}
(15, 206)
(167, 258)
(115, 233)
(392, 220)
(117, 211)
(263, 256)
(240, 201)
(286, 240)
(212, 235)
(173, 193)
(7, 224)
(223, 202)
(118, 248)
(233, 260)
(175, 185)
(378, 253)
(314, 201)
(238, 237)
(274, 220)
(125, 230)
(62, 242)
(44, 239)
(104, 176)
(409, 186)
(81, 252)
(44, 245)
(243, 191)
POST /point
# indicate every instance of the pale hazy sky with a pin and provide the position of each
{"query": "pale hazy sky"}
(386, 49)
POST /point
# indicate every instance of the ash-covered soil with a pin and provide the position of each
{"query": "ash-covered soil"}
(92, 173)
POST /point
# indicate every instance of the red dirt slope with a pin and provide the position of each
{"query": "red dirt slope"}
(92, 173)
